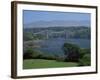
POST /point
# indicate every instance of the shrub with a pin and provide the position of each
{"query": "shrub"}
(27, 36)
(71, 52)
(85, 60)
(48, 57)
(58, 57)
(28, 53)
(31, 53)
(84, 51)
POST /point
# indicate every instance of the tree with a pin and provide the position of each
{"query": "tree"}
(85, 60)
(31, 53)
(84, 51)
(28, 53)
(85, 57)
(27, 36)
(71, 52)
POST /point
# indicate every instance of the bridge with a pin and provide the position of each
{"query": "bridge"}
(50, 33)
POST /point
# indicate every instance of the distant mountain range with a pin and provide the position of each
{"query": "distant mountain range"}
(44, 24)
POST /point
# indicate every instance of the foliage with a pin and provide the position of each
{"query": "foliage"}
(85, 57)
(59, 58)
(72, 32)
(85, 60)
(27, 36)
(28, 54)
(82, 33)
(38, 36)
(47, 57)
(74, 53)
(84, 51)
(71, 52)
(31, 53)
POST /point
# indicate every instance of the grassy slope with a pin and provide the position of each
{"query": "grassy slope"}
(41, 63)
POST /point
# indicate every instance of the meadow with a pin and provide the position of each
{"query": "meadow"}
(42, 63)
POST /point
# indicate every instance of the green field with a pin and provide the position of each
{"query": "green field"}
(41, 63)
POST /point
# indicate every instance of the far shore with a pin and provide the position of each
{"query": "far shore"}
(34, 41)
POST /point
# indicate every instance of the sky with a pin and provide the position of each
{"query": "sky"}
(30, 16)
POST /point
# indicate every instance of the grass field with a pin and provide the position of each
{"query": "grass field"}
(41, 63)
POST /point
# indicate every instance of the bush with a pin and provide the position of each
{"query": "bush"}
(85, 57)
(84, 51)
(58, 57)
(27, 36)
(31, 53)
(85, 60)
(71, 52)
(48, 57)
(28, 53)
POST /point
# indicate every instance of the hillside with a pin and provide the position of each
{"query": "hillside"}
(55, 32)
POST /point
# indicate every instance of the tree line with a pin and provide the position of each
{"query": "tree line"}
(72, 32)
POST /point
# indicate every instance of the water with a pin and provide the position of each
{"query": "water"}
(54, 46)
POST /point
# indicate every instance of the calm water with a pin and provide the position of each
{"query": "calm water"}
(54, 46)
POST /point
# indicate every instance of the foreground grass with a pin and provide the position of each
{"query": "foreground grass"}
(41, 63)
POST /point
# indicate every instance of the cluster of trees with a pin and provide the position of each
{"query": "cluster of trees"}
(76, 54)
(31, 53)
(29, 36)
(72, 32)
(72, 52)
(85, 33)
(85, 57)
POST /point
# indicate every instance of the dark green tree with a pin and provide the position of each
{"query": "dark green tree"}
(27, 36)
(85, 60)
(71, 52)
(84, 51)
(28, 53)
(31, 53)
